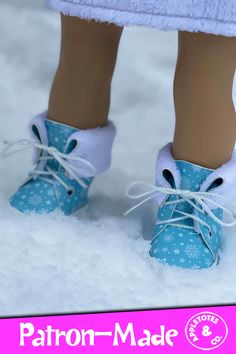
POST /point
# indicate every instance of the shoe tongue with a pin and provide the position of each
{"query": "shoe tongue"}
(58, 134)
(192, 176)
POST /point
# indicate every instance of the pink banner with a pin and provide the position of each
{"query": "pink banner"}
(158, 331)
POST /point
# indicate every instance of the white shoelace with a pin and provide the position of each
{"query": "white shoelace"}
(52, 154)
(200, 198)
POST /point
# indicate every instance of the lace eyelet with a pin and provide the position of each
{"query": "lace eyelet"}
(210, 233)
(70, 192)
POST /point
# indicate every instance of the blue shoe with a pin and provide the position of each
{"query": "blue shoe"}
(66, 161)
(189, 219)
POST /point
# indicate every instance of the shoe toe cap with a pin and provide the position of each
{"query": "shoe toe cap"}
(34, 198)
(181, 248)
(40, 197)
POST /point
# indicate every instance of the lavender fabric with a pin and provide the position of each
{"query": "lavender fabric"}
(209, 16)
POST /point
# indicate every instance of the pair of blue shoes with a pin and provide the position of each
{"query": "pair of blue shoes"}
(191, 198)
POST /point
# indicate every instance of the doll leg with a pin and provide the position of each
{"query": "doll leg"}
(188, 233)
(205, 114)
(80, 98)
(80, 94)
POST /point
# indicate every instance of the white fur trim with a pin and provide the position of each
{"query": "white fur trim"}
(95, 146)
(39, 122)
(165, 161)
(227, 172)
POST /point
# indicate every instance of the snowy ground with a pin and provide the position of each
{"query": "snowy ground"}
(100, 261)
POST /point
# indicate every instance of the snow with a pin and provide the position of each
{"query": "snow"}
(99, 261)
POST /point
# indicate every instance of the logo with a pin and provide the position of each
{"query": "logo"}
(206, 331)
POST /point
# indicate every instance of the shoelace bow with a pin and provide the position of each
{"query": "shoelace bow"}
(52, 154)
(193, 198)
